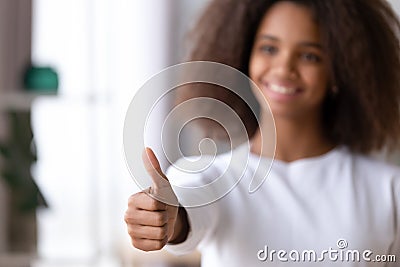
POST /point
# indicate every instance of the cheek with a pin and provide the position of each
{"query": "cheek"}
(256, 70)
(252, 69)
(317, 80)
(255, 67)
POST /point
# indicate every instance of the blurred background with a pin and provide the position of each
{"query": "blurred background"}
(68, 71)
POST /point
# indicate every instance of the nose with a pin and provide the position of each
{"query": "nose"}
(284, 66)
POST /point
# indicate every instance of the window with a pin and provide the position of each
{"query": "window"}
(103, 50)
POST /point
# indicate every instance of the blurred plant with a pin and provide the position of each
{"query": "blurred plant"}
(18, 154)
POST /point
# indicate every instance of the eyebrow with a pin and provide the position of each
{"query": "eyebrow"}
(307, 44)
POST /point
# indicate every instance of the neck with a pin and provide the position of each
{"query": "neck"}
(295, 139)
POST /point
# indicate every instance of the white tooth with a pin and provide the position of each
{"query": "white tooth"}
(282, 89)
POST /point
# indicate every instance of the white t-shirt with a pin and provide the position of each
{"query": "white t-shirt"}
(305, 210)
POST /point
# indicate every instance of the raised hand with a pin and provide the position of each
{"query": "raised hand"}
(152, 214)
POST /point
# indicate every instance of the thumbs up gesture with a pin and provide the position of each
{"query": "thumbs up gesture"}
(161, 188)
(152, 215)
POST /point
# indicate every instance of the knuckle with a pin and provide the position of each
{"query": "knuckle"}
(153, 245)
(131, 232)
(136, 243)
(159, 244)
(159, 219)
(130, 216)
(132, 200)
(127, 216)
(161, 232)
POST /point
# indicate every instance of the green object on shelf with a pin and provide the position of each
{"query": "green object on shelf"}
(41, 79)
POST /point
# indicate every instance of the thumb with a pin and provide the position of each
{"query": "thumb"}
(161, 188)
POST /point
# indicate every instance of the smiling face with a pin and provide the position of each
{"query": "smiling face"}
(288, 62)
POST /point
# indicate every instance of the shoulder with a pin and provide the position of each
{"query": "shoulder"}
(373, 173)
(370, 165)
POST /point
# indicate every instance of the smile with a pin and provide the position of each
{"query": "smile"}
(282, 89)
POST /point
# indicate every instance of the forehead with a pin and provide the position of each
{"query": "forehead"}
(288, 20)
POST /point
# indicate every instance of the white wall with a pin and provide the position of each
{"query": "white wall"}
(104, 50)
(396, 5)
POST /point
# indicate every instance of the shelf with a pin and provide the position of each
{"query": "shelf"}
(20, 101)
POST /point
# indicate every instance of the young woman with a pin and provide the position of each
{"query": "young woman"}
(329, 72)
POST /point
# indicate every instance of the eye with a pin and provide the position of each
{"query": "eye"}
(310, 57)
(269, 49)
